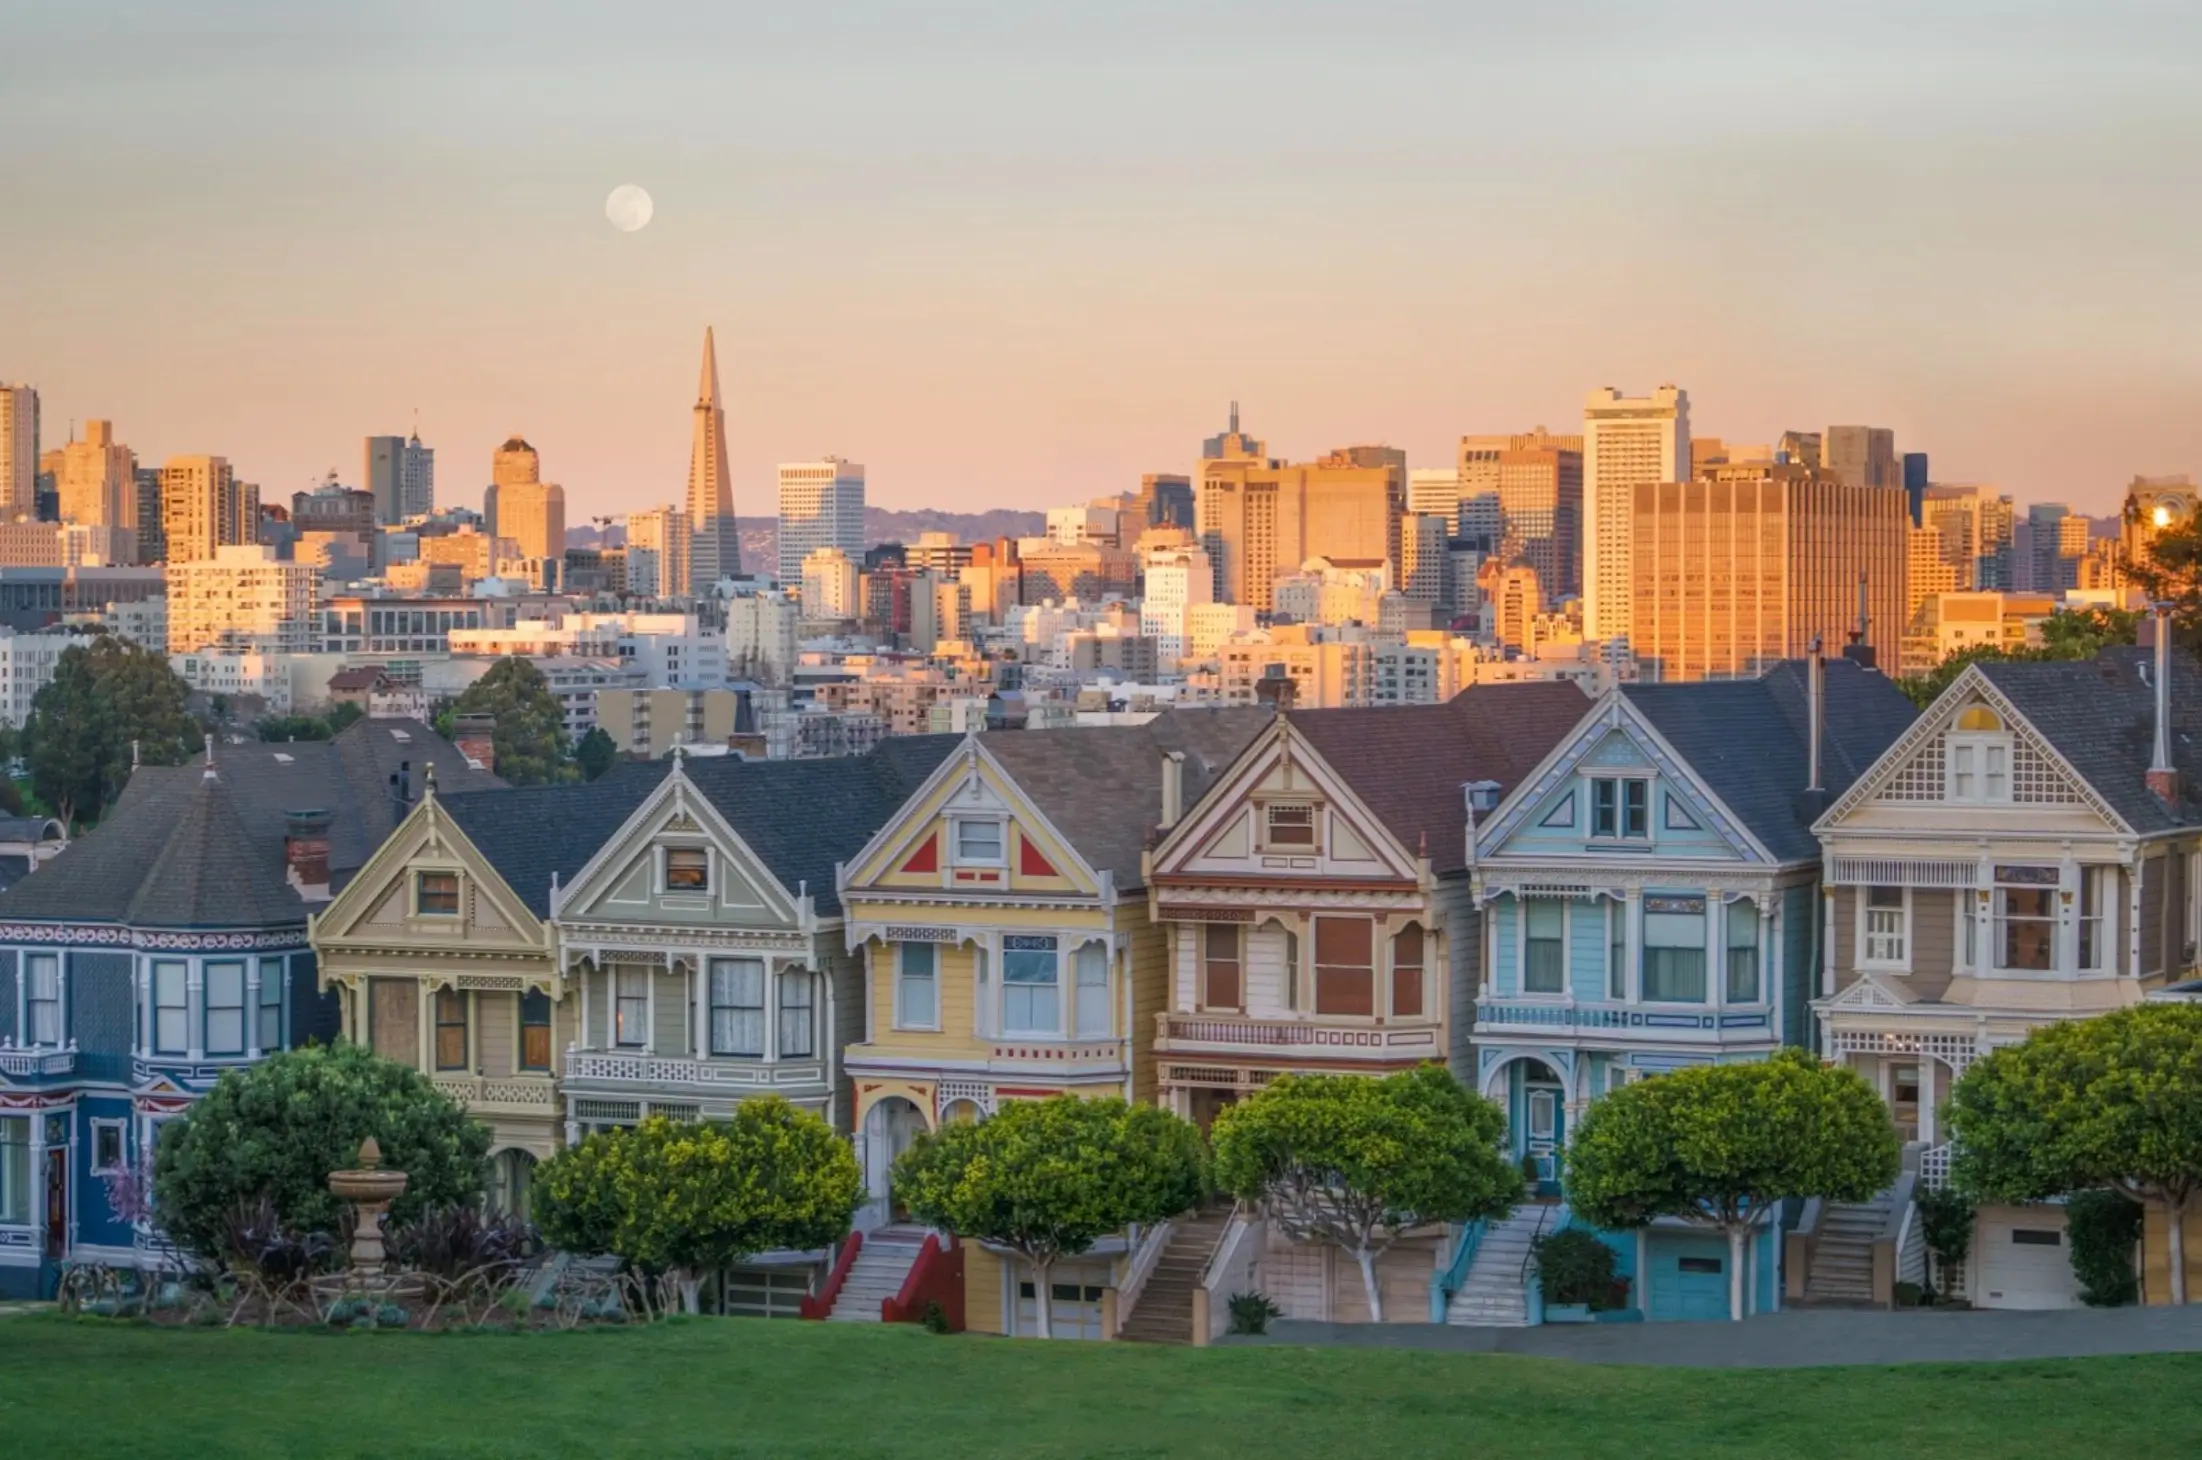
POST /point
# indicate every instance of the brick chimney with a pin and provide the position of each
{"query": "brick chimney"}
(475, 735)
(306, 853)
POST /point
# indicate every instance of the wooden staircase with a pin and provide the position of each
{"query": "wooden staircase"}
(1842, 1253)
(1164, 1312)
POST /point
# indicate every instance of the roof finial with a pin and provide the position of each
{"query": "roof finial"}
(428, 779)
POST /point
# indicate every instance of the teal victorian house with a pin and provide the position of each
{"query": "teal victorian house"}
(1651, 900)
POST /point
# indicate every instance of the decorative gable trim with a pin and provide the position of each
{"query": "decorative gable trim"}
(989, 784)
(427, 833)
(1911, 771)
(1866, 993)
(676, 804)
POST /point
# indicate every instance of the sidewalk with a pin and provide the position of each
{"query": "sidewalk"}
(1799, 1338)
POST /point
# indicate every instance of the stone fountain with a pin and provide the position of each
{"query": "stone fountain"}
(370, 1190)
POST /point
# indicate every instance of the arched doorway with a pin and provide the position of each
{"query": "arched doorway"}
(511, 1183)
(1535, 1097)
(962, 1112)
(889, 1128)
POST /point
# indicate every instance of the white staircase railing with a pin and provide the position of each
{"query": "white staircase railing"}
(1145, 1257)
(1230, 1270)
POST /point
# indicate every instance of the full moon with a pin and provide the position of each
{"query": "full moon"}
(629, 208)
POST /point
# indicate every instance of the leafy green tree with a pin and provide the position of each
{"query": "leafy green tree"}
(689, 1197)
(343, 715)
(2114, 1101)
(105, 698)
(278, 1128)
(1723, 1145)
(2103, 1227)
(596, 753)
(1946, 1225)
(2170, 571)
(2069, 633)
(1048, 1178)
(1354, 1162)
(530, 733)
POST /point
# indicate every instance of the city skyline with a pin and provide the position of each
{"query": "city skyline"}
(1950, 245)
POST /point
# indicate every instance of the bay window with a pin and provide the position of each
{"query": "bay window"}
(798, 1015)
(1617, 951)
(42, 995)
(1345, 966)
(1222, 966)
(225, 1008)
(1031, 976)
(916, 986)
(1743, 952)
(1407, 958)
(1544, 946)
(171, 1008)
(2095, 885)
(15, 1170)
(738, 1007)
(1091, 1012)
(450, 1030)
(1887, 928)
(269, 1030)
(535, 1030)
(2026, 918)
(630, 1007)
(1674, 950)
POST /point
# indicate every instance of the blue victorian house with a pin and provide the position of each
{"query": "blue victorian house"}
(161, 949)
(1651, 894)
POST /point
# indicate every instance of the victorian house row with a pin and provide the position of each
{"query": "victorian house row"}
(164, 947)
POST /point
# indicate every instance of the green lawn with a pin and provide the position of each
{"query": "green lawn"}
(734, 1387)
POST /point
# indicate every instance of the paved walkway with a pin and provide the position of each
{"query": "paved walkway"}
(1800, 1338)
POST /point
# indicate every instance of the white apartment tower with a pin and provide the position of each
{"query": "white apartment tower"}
(241, 599)
(830, 585)
(658, 545)
(98, 484)
(1627, 443)
(1178, 580)
(18, 451)
(716, 550)
(821, 506)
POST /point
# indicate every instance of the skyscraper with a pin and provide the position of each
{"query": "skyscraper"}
(1861, 456)
(1627, 443)
(152, 541)
(658, 545)
(1261, 519)
(1540, 487)
(530, 511)
(18, 451)
(384, 476)
(1915, 484)
(97, 486)
(821, 506)
(205, 508)
(718, 547)
(417, 478)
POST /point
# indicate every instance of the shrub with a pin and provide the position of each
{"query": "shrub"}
(1251, 1312)
(451, 1241)
(2103, 1226)
(935, 1317)
(278, 1129)
(1576, 1268)
(1946, 1226)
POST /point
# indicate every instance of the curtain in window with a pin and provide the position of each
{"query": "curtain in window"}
(1407, 973)
(44, 997)
(1345, 974)
(632, 995)
(1544, 946)
(1674, 950)
(171, 1009)
(225, 1008)
(915, 985)
(1617, 951)
(450, 1030)
(1220, 965)
(796, 1015)
(1092, 1010)
(737, 1006)
(1031, 1003)
(271, 1004)
(535, 1030)
(1743, 952)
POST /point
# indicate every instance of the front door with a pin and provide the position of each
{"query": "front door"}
(889, 1128)
(57, 1202)
(1903, 1097)
(1546, 1134)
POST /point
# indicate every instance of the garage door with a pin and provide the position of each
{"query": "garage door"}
(766, 1292)
(1689, 1280)
(2022, 1260)
(1074, 1313)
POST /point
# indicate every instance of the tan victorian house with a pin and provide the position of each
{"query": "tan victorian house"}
(441, 956)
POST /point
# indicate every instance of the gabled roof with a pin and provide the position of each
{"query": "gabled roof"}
(1101, 786)
(804, 817)
(1409, 763)
(1748, 740)
(530, 834)
(2100, 716)
(144, 864)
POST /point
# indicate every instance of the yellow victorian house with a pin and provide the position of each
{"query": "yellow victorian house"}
(1009, 953)
(441, 956)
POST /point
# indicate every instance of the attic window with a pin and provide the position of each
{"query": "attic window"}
(1979, 717)
(436, 894)
(687, 869)
(1289, 824)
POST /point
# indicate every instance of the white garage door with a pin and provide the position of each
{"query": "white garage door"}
(2023, 1260)
(1075, 1311)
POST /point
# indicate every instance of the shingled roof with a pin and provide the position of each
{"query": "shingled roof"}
(1101, 786)
(179, 850)
(1409, 763)
(2100, 715)
(1749, 740)
(531, 834)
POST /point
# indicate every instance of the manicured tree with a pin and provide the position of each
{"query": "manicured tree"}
(686, 1198)
(1722, 1145)
(278, 1128)
(529, 736)
(109, 703)
(1048, 1178)
(2113, 1101)
(1355, 1162)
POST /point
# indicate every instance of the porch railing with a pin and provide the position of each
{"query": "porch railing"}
(1447, 1283)
(1292, 1033)
(30, 1060)
(520, 1094)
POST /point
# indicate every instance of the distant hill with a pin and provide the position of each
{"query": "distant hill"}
(761, 535)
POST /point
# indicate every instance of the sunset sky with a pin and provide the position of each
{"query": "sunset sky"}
(1015, 253)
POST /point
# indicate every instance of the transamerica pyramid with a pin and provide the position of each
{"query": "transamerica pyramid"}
(716, 550)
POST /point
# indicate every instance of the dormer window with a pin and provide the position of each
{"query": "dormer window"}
(436, 894)
(1620, 806)
(687, 869)
(1289, 824)
(979, 843)
(1979, 758)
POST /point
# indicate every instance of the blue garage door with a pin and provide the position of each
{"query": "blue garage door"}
(1689, 1279)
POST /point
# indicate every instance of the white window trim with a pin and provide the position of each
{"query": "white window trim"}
(1618, 837)
(60, 999)
(1066, 993)
(121, 1126)
(1883, 965)
(664, 867)
(1981, 741)
(458, 887)
(1312, 847)
(1566, 991)
(2063, 934)
(956, 824)
(901, 1019)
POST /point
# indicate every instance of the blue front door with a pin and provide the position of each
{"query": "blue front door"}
(1544, 1131)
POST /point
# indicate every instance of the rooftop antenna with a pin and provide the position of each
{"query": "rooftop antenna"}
(1858, 636)
(1234, 418)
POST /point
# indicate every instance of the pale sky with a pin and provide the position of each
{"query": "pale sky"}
(1015, 253)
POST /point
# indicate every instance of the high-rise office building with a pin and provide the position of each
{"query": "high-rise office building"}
(717, 551)
(416, 478)
(1915, 484)
(821, 506)
(205, 508)
(1540, 487)
(1861, 456)
(830, 585)
(1627, 443)
(242, 599)
(1175, 582)
(530, 511)
(98, 486)
(1425, 540)
(1433, 491)
(1978, 530)
(658, 545)
(152, 540)
(1750, 562)
(1261, 519)
(18, 451)
(383, 477)
(1800, 448)
(1165, 500)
